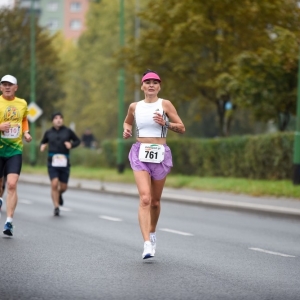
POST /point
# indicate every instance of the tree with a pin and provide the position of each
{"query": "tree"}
(15, 58)
(192, 42)
(266, 80)
(92, 90)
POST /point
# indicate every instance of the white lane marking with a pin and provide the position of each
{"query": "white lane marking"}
(271, 252)
(110, 218)
(65, 209)
(23, 201)
(176, 231)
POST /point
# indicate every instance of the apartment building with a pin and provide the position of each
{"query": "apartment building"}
(67, 16)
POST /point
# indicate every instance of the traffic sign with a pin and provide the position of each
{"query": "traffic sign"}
(34, 112)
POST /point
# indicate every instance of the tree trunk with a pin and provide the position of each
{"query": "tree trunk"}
(221, 115)
(283, 120)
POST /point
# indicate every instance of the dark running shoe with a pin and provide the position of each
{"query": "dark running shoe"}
(56, 211)
(8, 229)
(61, 200)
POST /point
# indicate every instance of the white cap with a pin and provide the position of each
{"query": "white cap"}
(9, 78)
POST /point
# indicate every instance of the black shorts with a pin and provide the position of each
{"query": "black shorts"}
(62, 173)
(10, 165)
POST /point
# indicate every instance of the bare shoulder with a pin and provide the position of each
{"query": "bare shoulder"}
(133, 104)
(166, 101)
(167, 104)
(132, 107)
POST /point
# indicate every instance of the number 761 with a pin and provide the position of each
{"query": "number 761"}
(151, 154)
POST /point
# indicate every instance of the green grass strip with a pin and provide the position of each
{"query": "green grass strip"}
(277, 188)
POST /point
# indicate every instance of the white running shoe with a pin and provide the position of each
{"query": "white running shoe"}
(153, 244)
(147, 250)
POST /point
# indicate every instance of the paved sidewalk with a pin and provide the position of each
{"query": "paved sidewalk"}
(280, 206)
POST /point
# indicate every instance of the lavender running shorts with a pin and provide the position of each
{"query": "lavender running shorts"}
(156, 171)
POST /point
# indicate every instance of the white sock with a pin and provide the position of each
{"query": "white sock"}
(152, 236)
(9, 219)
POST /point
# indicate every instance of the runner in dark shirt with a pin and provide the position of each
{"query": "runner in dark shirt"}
(60, 139)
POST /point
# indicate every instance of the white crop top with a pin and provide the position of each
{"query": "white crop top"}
(145, 125)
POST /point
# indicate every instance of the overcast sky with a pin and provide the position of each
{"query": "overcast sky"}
(9, 3)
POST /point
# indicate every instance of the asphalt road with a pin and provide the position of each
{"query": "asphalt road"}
(94, 250)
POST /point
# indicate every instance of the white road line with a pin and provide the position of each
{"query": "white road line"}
(110, 218)
(23, 201)
(65, 209)
(176, 231)
(271, 252)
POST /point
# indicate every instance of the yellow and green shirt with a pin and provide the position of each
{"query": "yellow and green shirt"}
(12, 111)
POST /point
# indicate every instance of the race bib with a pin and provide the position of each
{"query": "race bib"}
(59, 160)
(11, 133)
(153, 153)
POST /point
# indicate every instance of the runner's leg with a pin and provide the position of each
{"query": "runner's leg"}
(2, 186)
(2, 181)
(62, 187)
(12, 197)
(64, 174)
(54, 191)
(143, 183)
(156, 191)
(1, 194)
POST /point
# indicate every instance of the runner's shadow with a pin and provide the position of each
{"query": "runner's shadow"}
(149, 262)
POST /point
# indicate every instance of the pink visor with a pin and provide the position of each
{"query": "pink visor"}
(151, 76)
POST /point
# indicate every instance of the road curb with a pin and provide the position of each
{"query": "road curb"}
(234, 205)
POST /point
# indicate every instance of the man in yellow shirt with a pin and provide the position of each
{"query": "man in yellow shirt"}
(13, 125)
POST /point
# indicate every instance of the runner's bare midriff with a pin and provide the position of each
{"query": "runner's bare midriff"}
(152, 140)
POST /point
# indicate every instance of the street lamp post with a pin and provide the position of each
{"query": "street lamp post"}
(296, 159)
(32, 81)
(136, 36)
(121, 90)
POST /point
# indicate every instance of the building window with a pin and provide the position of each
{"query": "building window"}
(52, 6)
(75, 25)
(75, 6)
(52, 24)
(27, 4)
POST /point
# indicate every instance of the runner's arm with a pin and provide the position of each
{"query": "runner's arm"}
(25, 125)
(75, 140)
(128, 122)
(44, 142)
(175, 123)
(25, 130)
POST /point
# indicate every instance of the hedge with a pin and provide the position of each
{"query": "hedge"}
(267, 156)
